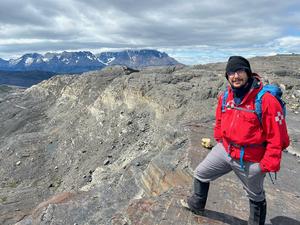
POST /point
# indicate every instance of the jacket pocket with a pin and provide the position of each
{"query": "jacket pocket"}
(249, 126)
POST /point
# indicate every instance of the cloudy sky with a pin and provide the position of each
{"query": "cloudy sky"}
(191, 31)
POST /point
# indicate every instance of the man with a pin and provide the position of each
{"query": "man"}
(247, 146)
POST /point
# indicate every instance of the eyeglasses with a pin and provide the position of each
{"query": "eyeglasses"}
(238, 72)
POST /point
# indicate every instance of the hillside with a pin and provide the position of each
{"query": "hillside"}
(116, 147)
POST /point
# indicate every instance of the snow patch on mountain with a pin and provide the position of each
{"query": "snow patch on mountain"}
(90, 58)
(29, 61)
(39, 60)
(99, 60)
(65, 60)
(109, 60)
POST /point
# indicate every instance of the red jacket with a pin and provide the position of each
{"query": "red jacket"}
(263, 141)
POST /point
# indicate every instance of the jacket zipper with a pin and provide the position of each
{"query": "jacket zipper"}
(234, 116)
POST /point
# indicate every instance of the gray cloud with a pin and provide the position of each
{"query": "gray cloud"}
(59, 46)
(36, 25)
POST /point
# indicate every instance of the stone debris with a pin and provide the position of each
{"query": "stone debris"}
(106, 162)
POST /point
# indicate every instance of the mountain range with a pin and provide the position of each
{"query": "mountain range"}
(83, 61)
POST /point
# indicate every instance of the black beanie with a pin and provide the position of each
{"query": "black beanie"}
(236, 63)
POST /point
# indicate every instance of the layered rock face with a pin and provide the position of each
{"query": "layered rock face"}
(111, 147)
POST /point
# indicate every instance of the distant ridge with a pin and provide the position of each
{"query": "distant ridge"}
(83, 61)
(32, 68)
(137, 58)
(288, 54)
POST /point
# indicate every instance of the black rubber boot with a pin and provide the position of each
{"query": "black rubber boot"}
(258, 212)
(196, 203)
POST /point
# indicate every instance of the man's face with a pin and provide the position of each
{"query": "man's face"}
(238, 78)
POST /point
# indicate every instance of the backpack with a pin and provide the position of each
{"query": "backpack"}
(271, 88)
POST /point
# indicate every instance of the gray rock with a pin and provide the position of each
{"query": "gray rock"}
(155, 119)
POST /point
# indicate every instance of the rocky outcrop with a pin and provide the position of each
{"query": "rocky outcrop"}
(112, 147)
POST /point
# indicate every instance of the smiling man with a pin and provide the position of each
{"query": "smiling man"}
(248, 145)
(238, 78)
